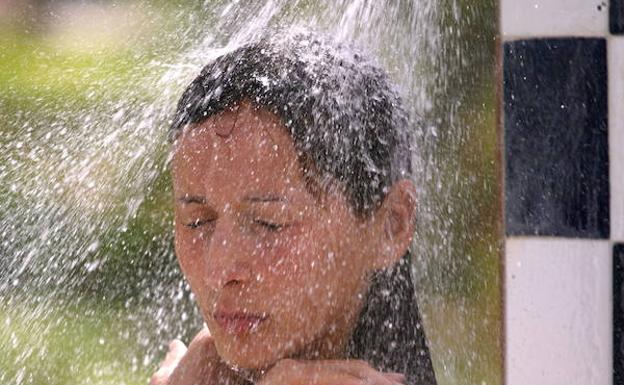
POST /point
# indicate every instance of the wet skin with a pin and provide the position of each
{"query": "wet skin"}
(277, 271)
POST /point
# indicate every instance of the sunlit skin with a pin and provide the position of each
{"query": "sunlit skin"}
(253, 241)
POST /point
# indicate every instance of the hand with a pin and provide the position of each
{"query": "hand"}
(200, 364)
(328, 372)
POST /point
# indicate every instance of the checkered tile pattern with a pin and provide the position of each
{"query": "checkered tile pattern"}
(563, 133)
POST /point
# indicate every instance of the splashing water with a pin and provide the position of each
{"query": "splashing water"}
(88, 279)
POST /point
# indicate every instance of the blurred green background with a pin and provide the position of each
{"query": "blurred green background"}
(105, 315)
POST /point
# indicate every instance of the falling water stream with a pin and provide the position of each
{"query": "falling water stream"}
(89, 289)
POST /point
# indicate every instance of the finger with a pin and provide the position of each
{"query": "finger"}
(160, 377)
(202, 344)
(359, 369)
(328, 372)
(344, 378)
(280, 371)
(394, 376)
(338, 378)
(200, 338)
(177, 349)
(198, 363)
(201, 351)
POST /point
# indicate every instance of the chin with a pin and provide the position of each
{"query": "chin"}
(246, 357)
(252, 354)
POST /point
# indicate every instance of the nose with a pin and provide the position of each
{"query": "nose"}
(227, 256)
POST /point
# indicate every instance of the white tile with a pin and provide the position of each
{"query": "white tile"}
(616, 135)
(558, 312)
(537, 18)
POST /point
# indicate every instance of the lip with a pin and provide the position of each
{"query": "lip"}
(238, 322)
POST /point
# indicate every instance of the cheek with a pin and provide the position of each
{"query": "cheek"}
(189, 255)
(292, 257)
(192, 263)
(311, 287)
(278, 270)
(334, 265)
(301, 267)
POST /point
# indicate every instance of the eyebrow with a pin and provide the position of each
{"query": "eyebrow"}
(265, 198)
(192, 199)
(248, 198)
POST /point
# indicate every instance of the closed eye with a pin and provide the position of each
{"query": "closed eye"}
(271, 226)
(198, 223)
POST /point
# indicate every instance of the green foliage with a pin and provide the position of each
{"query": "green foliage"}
(76, 345)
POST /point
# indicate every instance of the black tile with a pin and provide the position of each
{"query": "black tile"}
(616, 17)
(556, 144)
(618, 314)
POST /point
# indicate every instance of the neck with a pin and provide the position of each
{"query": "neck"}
(334, 342)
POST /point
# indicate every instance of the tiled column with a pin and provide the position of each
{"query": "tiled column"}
(616, 143)
(563, 133)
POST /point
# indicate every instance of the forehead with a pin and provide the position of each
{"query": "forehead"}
(246, 148)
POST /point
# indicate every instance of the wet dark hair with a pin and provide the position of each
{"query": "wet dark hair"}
(349, 126)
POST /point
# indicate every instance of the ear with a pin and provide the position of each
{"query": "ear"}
(395, 223)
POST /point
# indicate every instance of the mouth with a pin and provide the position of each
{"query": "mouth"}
(239, 323)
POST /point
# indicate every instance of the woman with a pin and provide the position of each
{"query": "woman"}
(293, 218)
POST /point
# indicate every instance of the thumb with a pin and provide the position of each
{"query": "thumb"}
(177, 349)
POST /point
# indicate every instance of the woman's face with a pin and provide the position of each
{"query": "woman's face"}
(276, 271)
